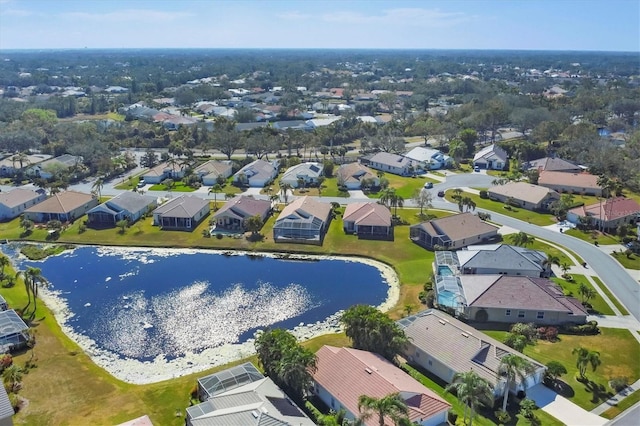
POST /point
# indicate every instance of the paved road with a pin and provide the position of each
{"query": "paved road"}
(630, 417)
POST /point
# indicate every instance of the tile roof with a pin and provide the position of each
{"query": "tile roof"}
(307, 207)
(17, 196)
(552, 164)
(520, 292)
(456, 344)
(213, 167)
(581, 180)
(183, 206)
(243, 207)
(63, 202)
(458, 226)
(140, 421)
(523, 191)
(367, 214)
(349, 373)
(355, 172)
(611, 209)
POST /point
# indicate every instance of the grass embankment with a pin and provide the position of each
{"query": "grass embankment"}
(613, 298)
(618, 353)
(630, 262)
(571, 288)
(626, 403)
(593, 236)
(529, 216)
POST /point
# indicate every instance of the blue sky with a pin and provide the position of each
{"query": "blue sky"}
(611, 25)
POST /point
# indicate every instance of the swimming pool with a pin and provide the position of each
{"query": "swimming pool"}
(445, 271)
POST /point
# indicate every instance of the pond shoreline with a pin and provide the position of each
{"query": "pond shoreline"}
(145, 372)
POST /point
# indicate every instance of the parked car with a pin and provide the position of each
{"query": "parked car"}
(141, 183)
(440, 193)
(476, 169)
(428, 185)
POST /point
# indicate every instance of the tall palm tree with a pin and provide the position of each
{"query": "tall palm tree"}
(513, 367)
(472, 390)
(97, 186)
(522, 239)
(551, 260)
(397, 201)
(284, 190)
(387, 196)
(584, 358)
(4, 262)
(33, 279)
(214, 190)
(392, 406)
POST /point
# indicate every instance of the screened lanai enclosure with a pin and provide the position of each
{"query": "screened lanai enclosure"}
(225, 380)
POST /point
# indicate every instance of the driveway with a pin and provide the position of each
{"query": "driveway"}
(562, 409)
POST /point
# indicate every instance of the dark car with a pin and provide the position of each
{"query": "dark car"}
(440, 193)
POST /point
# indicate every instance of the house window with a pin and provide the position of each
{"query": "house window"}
(540, 315)
(520, 314)
(507, 312)
(430, 363)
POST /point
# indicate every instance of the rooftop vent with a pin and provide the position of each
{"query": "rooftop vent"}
(442, 322)
(368, 370)
(465, 335)
(255, 414)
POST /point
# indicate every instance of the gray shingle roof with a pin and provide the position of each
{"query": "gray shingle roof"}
(183, 206)
(501, 256)
(6, 410)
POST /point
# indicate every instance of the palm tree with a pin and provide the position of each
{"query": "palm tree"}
(387, 196)
(584, 358)
(551, 260)
(472, 390)
(391, 405)
(4, 262)
(32, 280)
(513, 367)
(396, 201)
(466, 202)
(522, 239)
(284, 190)
(586, 292)
(12, 376)
(97, 186)
(214, 190)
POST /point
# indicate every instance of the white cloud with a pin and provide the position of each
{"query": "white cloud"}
(16, 12)
(148, 15)
(404, 16)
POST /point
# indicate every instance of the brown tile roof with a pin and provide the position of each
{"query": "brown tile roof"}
(581, 180)
(459, 226)
(63, 202)
(518, 292)
(355, 172)
(367, 214)
(244, 207)
(611, 209)
(307, 206)
(456, 344)
(348, 373)
(522, 191)
(17, 196)
(213, 166)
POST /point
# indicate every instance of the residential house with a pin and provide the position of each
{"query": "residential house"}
(127, 205)
(6, 409)
(13, 331)
(305, 220)
(352, 175)
(344, 374)
(256, 174)
(575, 183)
(210, 171)
(16, 201)
(609, 214)
(321, 122)
(181, 213)
(48, 168)
(10, 165)
(3, 304)
(392, 163)
(509, 299)
(292, 125)
(444, 346)
(491, 157)
(368, 220)
(163, 171)
(241, 395)
(140, 421)
(65, 206)
(428, 159)
(453, 232)
(502, 259)
(235, 212)
(552, 164)
(526, 195)
(307, 172)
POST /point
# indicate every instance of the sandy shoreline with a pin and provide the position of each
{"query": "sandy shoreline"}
(138, 372)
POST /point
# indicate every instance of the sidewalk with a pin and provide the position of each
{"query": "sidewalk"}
(563, 409)
(616, 398)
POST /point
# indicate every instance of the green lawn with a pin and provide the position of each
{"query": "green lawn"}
(593, 236)
(485, 416)
(630, 262)
(515, 212)
(178, 186)
(618, 353)
(613, 298)
(571, 289)
(404, 186)
(626, 403)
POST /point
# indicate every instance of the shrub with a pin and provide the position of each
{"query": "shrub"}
(502, 416)
(619, 384)
(5, 361)
(484, 194)
(589, 328)
(82, 228)
(548, 333)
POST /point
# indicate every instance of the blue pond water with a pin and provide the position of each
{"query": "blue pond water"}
(140, 304)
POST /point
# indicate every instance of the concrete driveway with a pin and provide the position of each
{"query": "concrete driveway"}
(562, 409)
